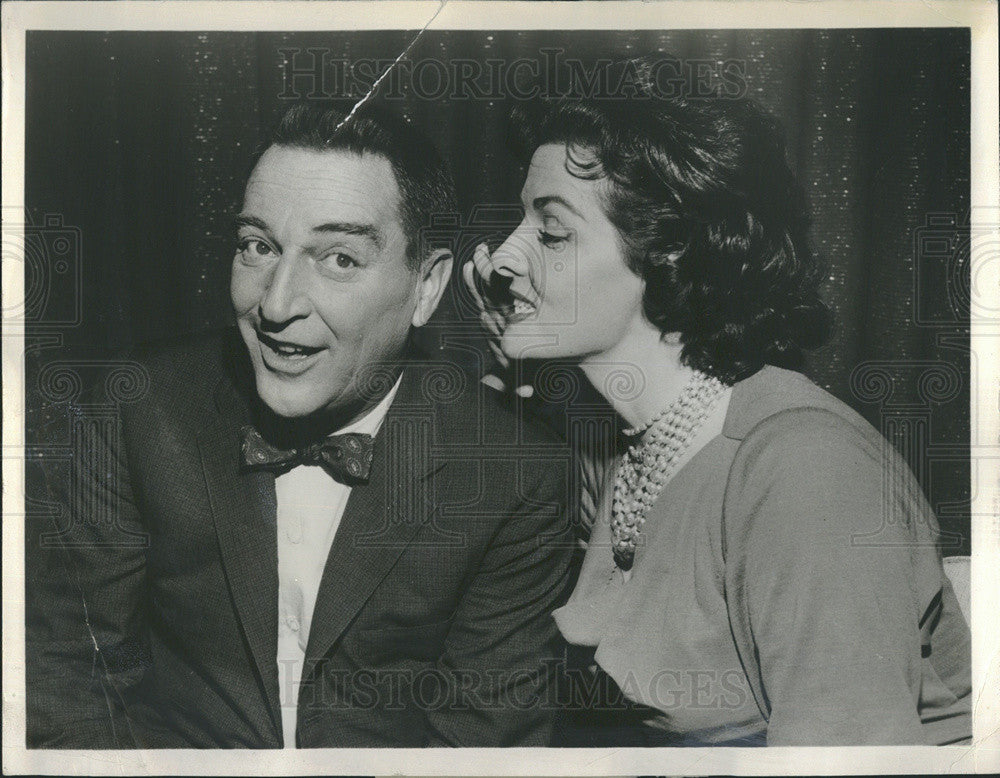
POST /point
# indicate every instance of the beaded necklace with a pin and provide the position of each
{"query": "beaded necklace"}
(650, 461)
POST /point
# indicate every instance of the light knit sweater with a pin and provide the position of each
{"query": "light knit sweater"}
(788, 589)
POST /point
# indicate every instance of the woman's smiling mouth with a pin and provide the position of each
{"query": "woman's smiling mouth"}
(521, 309)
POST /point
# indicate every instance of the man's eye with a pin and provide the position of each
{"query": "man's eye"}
(255, 250)
(551, 240)
(339, 260)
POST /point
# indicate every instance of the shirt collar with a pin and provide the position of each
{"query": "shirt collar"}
(371, 422)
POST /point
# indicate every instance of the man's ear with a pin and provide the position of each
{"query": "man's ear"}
(434, 275)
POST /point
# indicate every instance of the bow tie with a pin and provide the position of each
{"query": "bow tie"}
(347, 457)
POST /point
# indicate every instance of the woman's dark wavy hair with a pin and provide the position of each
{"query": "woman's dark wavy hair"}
(708, 213)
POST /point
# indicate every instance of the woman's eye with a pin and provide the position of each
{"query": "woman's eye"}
(551, 240)
(255, 250)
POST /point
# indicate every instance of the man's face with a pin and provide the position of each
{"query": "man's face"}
(320, 282)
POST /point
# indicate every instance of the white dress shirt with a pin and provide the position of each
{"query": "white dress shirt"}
(310, 505)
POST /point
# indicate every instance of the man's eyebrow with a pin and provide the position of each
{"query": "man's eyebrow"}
(246, 220)
(369, 231)
(540, 202)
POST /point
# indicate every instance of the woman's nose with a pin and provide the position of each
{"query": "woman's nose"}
(286, 296)
(516, 256)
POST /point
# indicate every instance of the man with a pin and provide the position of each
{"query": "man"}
(391, 585)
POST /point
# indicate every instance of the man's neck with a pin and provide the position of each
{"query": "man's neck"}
(294, 432)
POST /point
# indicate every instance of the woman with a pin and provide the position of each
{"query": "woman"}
(749, 579)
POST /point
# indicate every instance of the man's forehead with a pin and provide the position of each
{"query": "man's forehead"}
(323, 185)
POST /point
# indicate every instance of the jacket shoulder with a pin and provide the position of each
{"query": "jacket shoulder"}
(187, 357)
(492, 418)
(185, 372)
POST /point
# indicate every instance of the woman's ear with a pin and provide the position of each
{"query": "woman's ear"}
(435, 271)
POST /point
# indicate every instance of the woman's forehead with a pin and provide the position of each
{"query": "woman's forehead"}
(550, 178)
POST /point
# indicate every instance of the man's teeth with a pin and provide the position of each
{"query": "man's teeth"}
(290, 351)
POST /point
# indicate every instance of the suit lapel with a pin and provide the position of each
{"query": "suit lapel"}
(381, 517)
(245, 514)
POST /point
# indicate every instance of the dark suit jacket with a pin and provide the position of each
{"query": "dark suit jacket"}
(152, 613)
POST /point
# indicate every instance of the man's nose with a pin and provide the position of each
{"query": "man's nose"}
(286, 296)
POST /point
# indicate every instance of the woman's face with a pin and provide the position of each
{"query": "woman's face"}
(575, 296)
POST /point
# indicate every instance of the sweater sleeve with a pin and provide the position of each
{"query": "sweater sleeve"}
(819, 581)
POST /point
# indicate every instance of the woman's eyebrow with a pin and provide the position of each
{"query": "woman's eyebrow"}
(540, 202)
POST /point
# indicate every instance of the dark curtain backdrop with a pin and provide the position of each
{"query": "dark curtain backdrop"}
(138, 145)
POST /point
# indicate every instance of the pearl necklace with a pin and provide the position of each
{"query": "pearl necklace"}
(649, 463)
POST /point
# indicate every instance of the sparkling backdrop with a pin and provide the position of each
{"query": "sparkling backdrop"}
(143, 142)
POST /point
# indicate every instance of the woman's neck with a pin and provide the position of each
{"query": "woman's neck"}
(641, 375)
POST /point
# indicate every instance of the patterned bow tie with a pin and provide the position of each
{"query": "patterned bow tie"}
(347, 457)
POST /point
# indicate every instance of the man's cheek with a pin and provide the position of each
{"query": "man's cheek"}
(244, 289)
(241, 301)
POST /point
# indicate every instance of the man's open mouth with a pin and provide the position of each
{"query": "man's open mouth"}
(287, 349)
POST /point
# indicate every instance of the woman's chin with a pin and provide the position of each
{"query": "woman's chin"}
(533, 344)
(517, 344)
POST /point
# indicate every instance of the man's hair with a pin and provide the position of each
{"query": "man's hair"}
(708, 213)
(425, 186)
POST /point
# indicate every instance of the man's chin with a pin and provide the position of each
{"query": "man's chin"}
(284, 404)
(288, 411)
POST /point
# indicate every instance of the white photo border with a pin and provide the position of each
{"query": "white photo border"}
(978, 15)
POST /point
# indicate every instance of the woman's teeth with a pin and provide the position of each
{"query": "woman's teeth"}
(523, 308)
